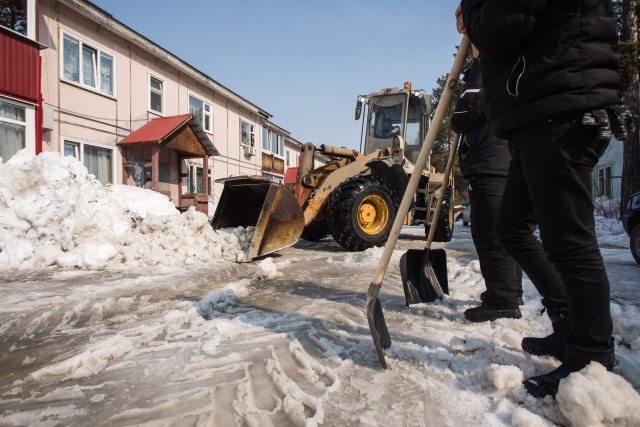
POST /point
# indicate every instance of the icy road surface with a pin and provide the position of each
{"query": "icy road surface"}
(282, 341)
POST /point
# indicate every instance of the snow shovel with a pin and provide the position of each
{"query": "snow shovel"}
(268, 206)
(375, 316)
(424, 271)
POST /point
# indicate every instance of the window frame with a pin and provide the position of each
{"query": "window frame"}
(98, 60)
(252, 133)
(604, 176)
(29, 122)
(204, 113)
(151, 89)
(269, 143)
(80, 144)
(192, 178)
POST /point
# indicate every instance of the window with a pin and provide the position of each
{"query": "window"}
(287, 159)
(272, 177)
(195, 181)
(18, 16)
(17, 130)
(201, 111)
(98, 160)
(604, 181)
(247, 134)
(164, 176)
(265, 139)
(87, 66)
(272, 142)
(156, 92)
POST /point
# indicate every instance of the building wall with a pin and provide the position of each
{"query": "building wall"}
(292, 153)
(87, 116)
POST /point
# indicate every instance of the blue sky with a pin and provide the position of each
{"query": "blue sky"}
(304, 62)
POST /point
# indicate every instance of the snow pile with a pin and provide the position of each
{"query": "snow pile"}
(54, 213)
(610, 232)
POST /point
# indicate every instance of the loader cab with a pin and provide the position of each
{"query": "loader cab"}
(396, 112)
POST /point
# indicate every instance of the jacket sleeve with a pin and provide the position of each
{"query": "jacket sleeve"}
(501, 28)
(470, 106)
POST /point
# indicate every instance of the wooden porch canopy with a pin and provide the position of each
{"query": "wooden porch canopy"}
(176, 138)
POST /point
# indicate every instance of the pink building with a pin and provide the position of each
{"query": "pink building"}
(102, 81)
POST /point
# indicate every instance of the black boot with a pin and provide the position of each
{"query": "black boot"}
(519, 299)
(485, 312)
(576, 358)
(551, 345)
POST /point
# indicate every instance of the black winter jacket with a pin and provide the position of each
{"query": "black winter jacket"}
(480, 153)
(543, 58)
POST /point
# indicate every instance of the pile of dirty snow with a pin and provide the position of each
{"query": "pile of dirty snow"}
(54, 213)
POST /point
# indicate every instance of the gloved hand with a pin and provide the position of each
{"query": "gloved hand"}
(614, 119)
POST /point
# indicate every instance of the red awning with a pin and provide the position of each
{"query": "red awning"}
(160, 129)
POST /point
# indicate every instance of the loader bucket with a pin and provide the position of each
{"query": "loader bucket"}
(424, 275)
(268, 206)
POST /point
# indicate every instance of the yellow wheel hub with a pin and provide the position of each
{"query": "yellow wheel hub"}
(373, 214)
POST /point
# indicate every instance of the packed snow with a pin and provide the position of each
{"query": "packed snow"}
(115, 309)
(56, 214)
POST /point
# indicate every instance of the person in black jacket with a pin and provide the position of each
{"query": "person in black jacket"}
(484, 161)
(549, 67)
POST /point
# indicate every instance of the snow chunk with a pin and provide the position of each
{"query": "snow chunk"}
(267, 270)
(504, 377)
(596, 397)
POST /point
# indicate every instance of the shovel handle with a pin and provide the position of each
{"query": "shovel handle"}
(427, 144)
(453, 144)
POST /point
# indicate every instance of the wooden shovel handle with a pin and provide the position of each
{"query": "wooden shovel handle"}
(427, 144)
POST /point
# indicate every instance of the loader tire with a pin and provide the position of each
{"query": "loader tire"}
(444, 226)
(315, 231)
(361, 212)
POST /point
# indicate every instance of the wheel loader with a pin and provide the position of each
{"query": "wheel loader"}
(355, 196)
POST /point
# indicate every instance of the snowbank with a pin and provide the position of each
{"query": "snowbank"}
(54, 213)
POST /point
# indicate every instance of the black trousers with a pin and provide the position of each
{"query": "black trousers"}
(502, 275)
(549, 183)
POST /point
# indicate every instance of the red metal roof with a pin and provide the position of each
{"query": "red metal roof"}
(158, 130)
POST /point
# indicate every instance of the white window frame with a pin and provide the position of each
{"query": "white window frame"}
(204, 113)
(161, 93)
(29, 123)
(269, 144)
(80, 154)
(273, 177)
(99, 53)
(252, 131)
(191, 178)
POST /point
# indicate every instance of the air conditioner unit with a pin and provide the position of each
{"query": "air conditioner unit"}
(249, 150)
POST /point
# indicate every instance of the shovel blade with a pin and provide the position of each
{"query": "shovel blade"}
(424, 275)
(268, 206)
(377, 324)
